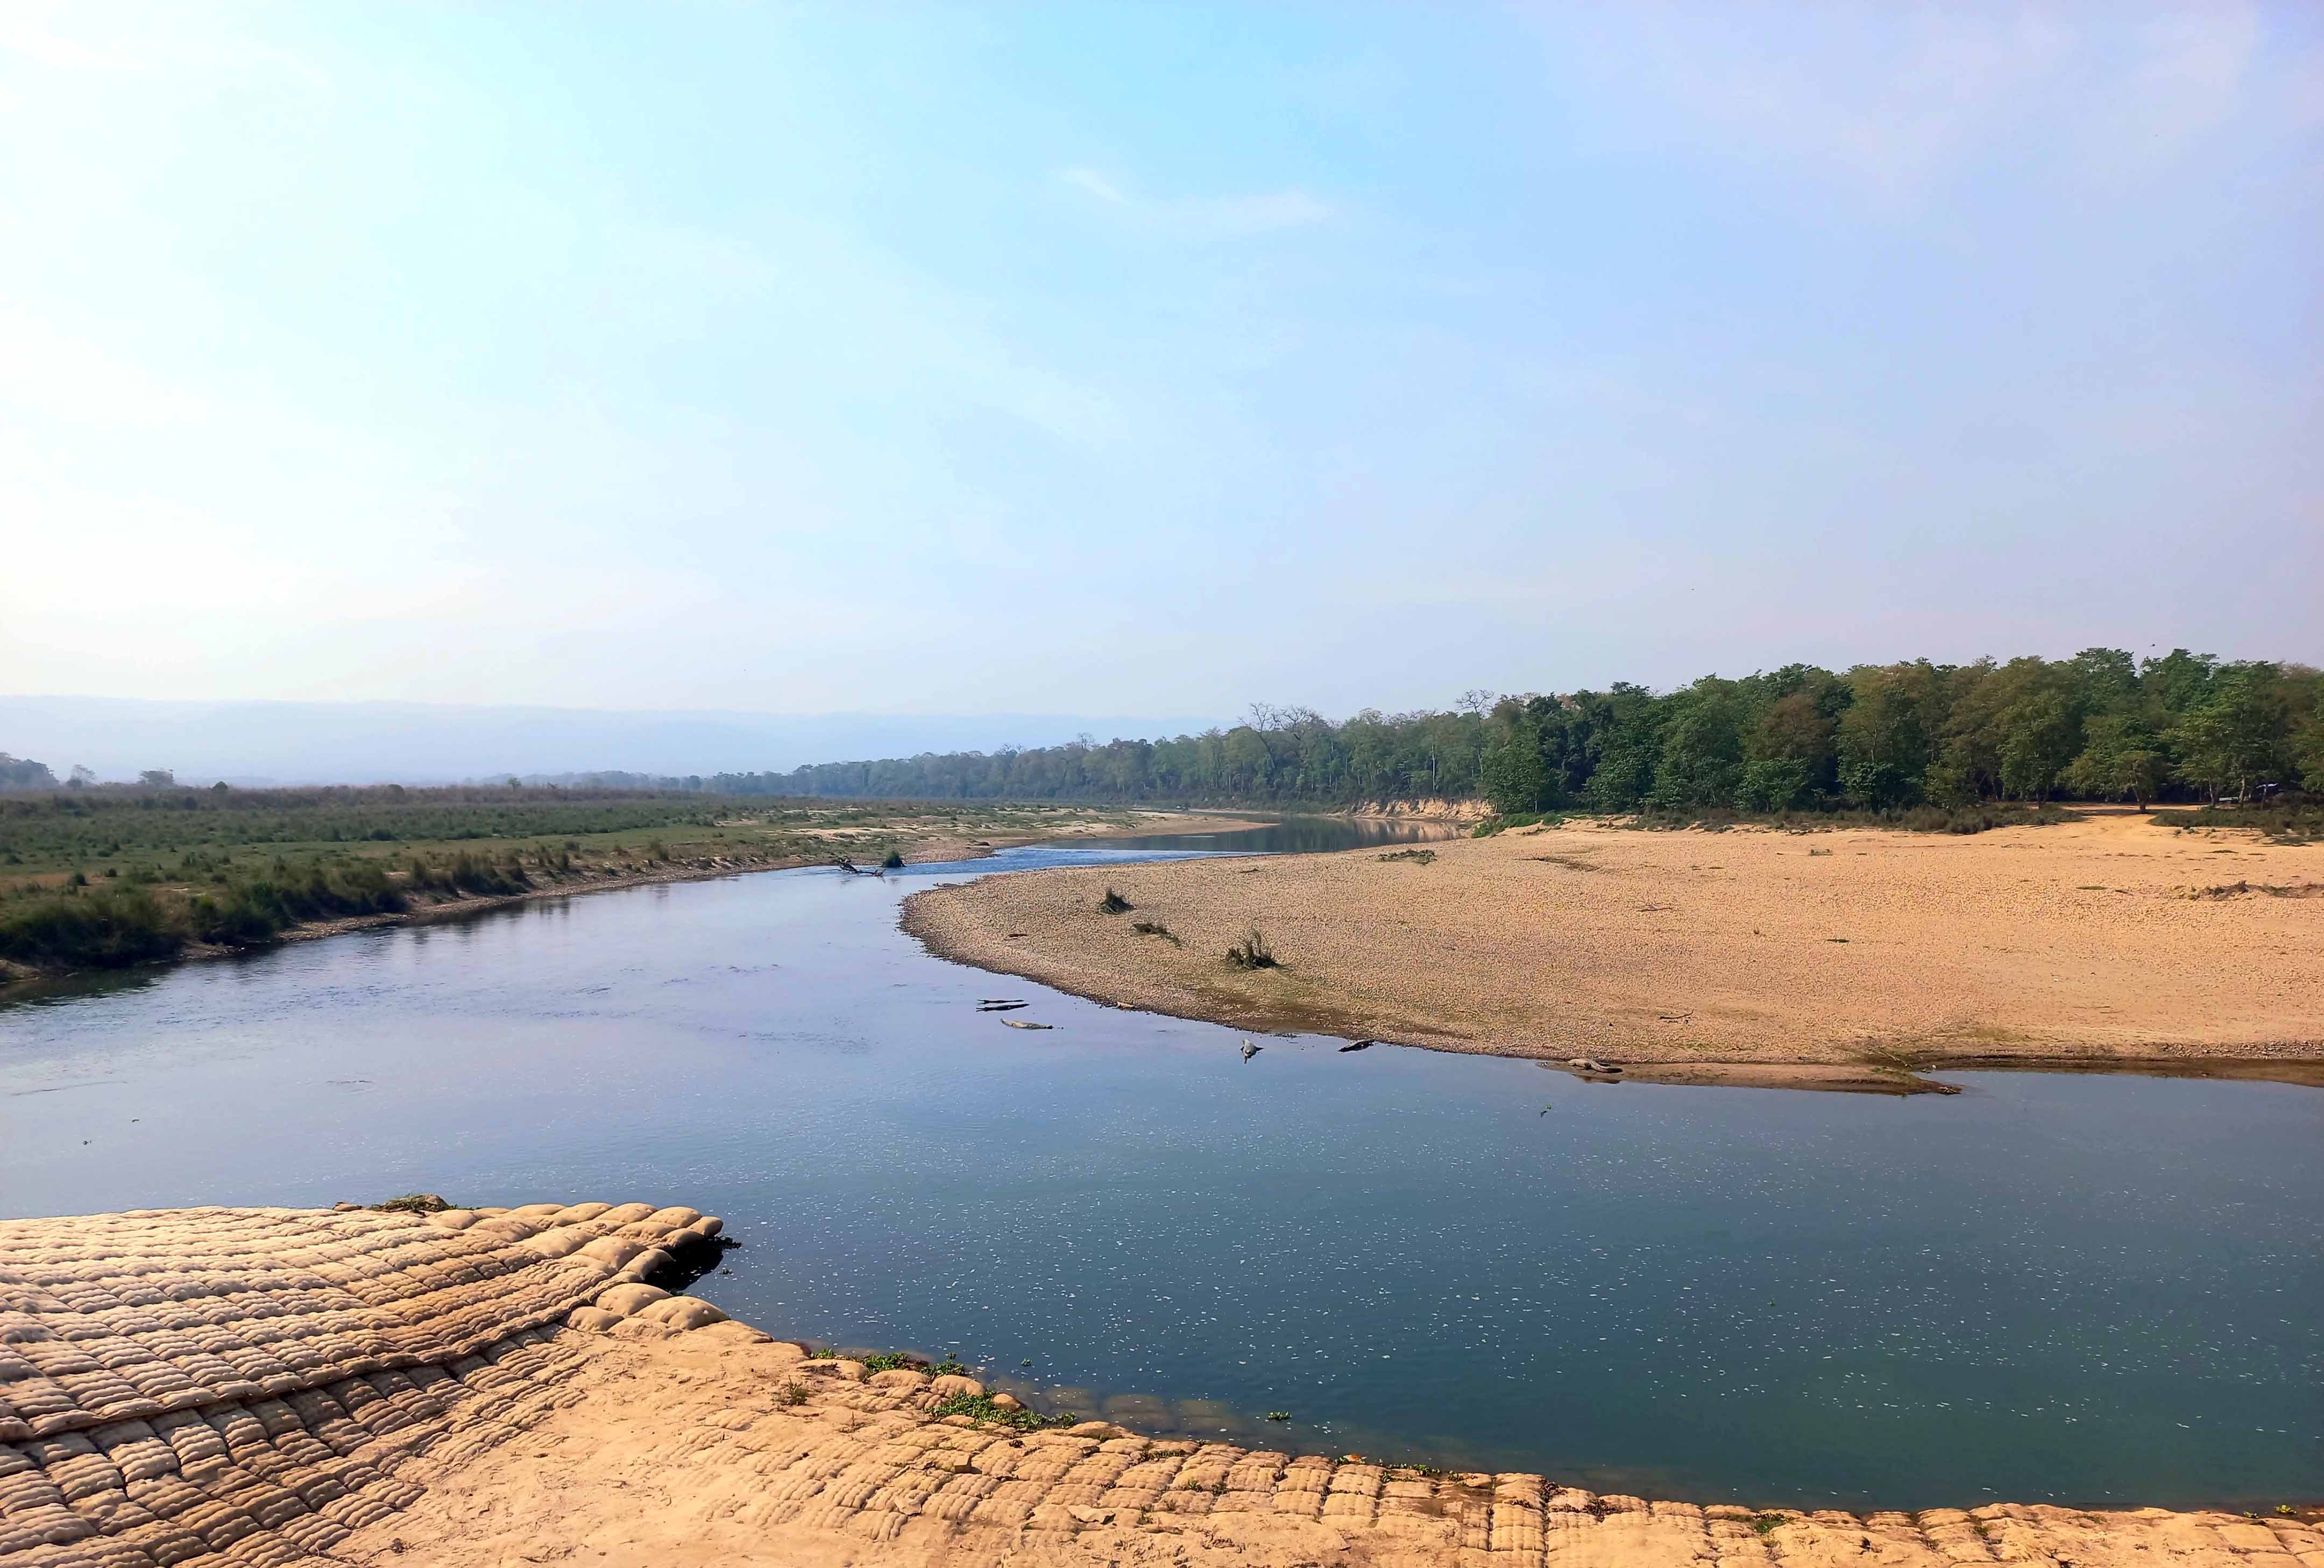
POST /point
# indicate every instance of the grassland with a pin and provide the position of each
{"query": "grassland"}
(103, 878)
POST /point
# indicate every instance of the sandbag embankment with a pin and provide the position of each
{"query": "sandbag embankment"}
(180, 1386)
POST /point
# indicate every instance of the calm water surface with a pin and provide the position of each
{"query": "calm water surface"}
(2079, 1288)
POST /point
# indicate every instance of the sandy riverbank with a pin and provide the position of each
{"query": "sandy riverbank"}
(1841, 960)
(267, 1386)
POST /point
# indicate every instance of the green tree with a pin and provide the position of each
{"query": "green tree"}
(2238, 736)
(1701, 752)
(1885, 734)
(1797, 734)
(2105, 680)
(1772, 784)
(24, 773)
(2308, 753)
(1627, 734)
(2122, 759)
(1515, 777)
(2179, 680)
(2039, 737)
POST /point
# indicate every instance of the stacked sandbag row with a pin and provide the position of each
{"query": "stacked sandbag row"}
(189, 1386)
(633, 1241)
(116, 1317)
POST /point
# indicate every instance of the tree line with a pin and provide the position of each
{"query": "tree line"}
(2102, 725)
(1280, 757)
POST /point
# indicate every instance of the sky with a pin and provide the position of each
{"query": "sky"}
(881, 359)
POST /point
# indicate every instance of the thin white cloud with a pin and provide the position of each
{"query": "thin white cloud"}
(1898, 99)
(1204, 217)
(26, 32)
(1096, 184)
(2187, 73)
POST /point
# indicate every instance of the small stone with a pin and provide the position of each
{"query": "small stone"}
(1007, 1402)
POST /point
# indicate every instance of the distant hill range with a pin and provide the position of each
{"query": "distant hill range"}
(301, 743)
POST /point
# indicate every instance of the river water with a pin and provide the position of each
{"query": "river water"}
(2078, 1288)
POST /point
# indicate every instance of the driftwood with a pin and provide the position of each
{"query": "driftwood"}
(999, 1006)
(1357, 1046)
(1015, 1023)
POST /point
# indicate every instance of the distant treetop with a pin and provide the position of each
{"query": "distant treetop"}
(2098, 726)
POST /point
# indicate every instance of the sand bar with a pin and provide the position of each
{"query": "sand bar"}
(1845, 959)
(282, 1387)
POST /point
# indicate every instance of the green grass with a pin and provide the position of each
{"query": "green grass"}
(1958, 819)
(1977, 818)
(1493, 824)
(2299, 820)
(981, 1407)
(107, 878)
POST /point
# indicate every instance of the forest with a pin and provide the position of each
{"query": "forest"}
(2102, 725)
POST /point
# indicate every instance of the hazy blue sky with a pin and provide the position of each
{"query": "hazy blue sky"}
(1121, 360)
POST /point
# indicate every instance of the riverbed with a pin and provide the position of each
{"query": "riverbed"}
(2078, 1288)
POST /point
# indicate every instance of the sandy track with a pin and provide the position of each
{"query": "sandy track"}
(277, 1387)
(1711, 956)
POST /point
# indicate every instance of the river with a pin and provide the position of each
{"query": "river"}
(2078, 1288)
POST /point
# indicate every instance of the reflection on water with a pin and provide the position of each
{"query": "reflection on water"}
(1296, 835)
(2082, 1288)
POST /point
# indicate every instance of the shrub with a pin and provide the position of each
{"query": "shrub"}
(981, 1407)
(1156, 928)
(106, 930)
(1113, 903)
(1493, 824)
(466, 874)
(1251, 953)
(2293, 821)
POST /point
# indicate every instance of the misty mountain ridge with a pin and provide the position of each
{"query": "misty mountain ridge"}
(256, 744)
